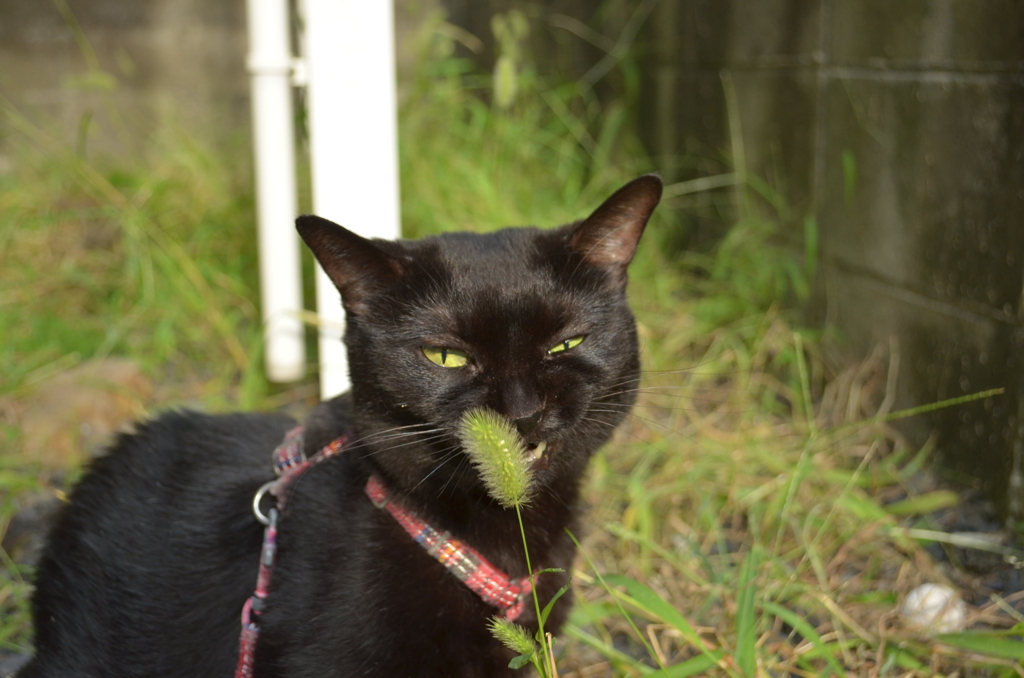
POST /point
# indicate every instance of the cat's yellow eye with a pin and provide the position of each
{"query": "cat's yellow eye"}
(564, 346)
(445, 357)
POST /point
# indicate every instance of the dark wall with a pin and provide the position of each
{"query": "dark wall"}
(900, 127)
(128, 69)
(135, 70)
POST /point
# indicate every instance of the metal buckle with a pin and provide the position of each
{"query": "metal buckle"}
(383, 502)
(260, 516)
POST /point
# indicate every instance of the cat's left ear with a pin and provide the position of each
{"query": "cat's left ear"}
(608, 237)
(358, 267)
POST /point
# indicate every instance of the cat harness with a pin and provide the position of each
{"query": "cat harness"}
(492, 585)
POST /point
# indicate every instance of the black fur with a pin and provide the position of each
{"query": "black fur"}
(149, 565)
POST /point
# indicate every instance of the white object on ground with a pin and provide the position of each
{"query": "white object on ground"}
(935, 608)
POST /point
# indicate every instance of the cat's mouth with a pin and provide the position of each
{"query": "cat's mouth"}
(536, 453)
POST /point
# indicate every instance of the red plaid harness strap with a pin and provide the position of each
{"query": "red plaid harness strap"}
(492, 585)
(289, 463)
(465, 562)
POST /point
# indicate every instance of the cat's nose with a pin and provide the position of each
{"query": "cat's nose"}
(525, 425)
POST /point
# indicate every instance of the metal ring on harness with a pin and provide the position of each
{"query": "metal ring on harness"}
(260, 516)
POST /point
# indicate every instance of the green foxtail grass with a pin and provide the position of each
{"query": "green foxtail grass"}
(513, 636)
(499, 455)
(517, 639)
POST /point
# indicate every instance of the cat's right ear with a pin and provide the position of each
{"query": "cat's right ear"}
(608, 237)
(355, 265)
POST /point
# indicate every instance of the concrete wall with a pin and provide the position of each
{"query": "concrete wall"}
(900, 126)
(128, 68)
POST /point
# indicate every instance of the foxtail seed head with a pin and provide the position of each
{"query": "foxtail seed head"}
(497, 451)
(513, 636)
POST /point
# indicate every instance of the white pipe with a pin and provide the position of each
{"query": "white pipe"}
(276, 205)
(353, 142)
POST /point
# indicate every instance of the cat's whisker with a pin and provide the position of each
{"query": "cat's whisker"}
(651, 382)
(647, 387)
(391, 434)
(369, 448)
(449, 454)
(675, 406)
(387, 444)
(624, 382)
(646, 420)
(368, 441)
(688, 371)
(458, 468)
(681, 392)
(695, 387)
(397, 430)
(384, 443)
(649, 374)
(693, 369)
(365, 442)
(689, 387)
(607, 424)
(720, 409)
(651, 400)
(676, 403)
(638, 391)
(632, 434)
(389, 448)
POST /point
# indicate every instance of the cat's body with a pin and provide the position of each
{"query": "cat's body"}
(148, 567)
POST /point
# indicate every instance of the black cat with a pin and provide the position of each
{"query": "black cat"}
(149, 565)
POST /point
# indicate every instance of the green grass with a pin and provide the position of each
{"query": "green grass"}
(549, 158)
(157, 264)
(739, 522)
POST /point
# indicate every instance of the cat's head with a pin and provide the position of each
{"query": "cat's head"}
(530, 323)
